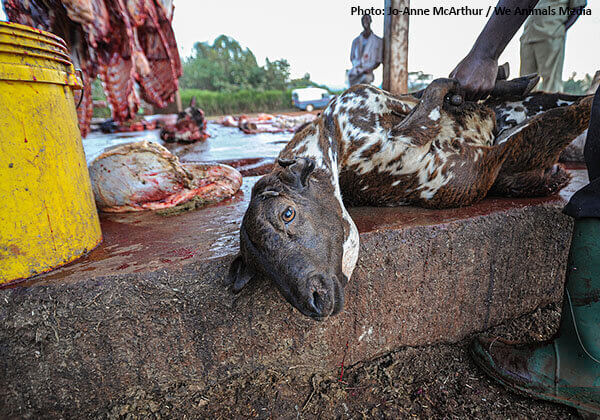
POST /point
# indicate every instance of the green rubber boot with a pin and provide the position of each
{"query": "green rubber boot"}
(565, 369)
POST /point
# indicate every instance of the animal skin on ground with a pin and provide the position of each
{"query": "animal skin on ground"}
(143, 175)
(372, 148)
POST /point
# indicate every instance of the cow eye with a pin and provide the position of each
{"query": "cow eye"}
(288, 215)
(455, 99)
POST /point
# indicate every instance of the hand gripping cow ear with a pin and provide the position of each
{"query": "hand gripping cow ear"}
(239, 274)
(297, 171)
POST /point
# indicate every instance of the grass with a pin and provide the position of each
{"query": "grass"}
(242, 101)
(222, 103)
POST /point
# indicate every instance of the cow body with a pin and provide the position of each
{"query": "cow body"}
(372, 148)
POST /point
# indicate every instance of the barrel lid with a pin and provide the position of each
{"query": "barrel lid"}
(34, 55)
(17, 29)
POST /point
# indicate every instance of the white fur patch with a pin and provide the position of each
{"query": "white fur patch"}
(506, 134)
(562, 102)
(512, 114)
(313, 150)
(351, 241)
(434, 115)
(351, 247)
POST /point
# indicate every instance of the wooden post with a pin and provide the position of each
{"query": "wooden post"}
(395, 50)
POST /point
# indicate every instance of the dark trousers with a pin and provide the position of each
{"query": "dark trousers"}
(586, 201)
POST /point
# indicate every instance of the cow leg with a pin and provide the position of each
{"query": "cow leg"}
(533, 148)
(538, 142)
(511, 111)
(537, 183)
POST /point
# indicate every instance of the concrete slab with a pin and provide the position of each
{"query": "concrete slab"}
(147, 308)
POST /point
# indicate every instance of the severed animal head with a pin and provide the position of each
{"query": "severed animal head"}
(193, 112)
(292, 234)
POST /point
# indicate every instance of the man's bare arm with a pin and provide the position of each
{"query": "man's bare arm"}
(573, 18)
(477, 71)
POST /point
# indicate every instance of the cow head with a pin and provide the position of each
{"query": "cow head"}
(192, 112)
(293, 234)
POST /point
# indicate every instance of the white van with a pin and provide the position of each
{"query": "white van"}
(310, 98)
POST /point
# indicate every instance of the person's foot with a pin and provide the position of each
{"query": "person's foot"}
(565, 369)
(539, 371)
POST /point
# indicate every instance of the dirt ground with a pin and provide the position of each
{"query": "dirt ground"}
(438, 381)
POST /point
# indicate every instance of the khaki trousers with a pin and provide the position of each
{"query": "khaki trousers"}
(545, 58)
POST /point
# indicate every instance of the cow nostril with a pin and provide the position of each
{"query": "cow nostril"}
(318, 295)
(313, 302)
(318, 302)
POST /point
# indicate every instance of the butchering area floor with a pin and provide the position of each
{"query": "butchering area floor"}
(224, 144)
(144, 327)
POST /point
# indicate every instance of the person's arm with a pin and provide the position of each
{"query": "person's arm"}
(354, 58)
(477, 72)
(370, 69)
(571, 20)
(574, 16)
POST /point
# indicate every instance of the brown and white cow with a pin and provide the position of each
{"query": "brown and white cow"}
(372, 148)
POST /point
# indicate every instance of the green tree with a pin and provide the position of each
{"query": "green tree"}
(277, 73)
(226, 66)
(577, 86)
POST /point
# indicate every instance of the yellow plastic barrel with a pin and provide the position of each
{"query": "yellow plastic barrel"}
(47, 213)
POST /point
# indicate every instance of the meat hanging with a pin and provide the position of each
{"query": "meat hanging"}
(123, 41)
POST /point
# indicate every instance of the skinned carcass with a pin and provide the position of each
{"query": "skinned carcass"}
(122, 41)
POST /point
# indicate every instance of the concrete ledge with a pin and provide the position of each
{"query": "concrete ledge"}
(148, 310)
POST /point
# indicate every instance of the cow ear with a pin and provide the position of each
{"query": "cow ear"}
(239, 275)
(193, 102)
(297, 170)
(284, 163)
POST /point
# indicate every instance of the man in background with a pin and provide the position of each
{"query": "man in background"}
(543, 42)
(366, 55)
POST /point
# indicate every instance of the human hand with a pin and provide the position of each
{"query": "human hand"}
(476, 75)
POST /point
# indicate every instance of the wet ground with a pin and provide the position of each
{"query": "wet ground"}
(145, 241)
(224, 144)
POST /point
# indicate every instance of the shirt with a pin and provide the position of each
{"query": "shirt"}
(541, 27)
(366, 52)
